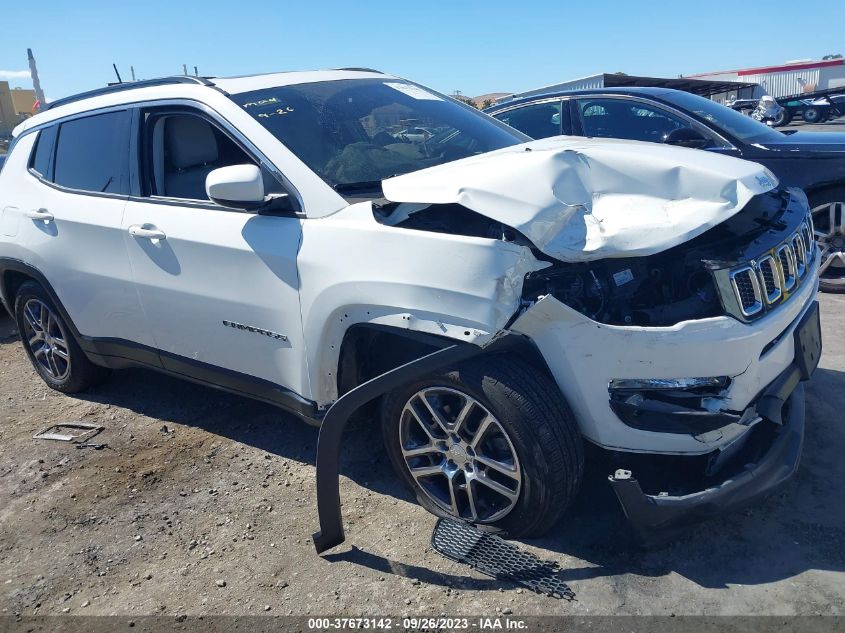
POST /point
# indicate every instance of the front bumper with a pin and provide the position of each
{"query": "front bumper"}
(757, 462)
(653, 517)
(584, 356)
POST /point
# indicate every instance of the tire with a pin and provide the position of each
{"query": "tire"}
(830, 235)
(531, 419)
(783, 118)
(813, 115)
(50, 344)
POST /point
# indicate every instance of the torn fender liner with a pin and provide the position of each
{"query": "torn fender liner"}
(493, 556)
(589, 199)
(331, 430)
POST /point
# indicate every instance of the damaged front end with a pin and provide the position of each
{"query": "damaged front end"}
(752, 277)
(675, 313)
(705, 277)
(670, 293)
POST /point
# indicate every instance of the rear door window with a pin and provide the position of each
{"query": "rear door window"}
(42, 158)
(92, 154)
(537, 120)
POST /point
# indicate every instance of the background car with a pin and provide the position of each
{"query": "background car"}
(414, 134)
(813, 161)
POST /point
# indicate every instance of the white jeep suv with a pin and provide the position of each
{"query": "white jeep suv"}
(278, 236)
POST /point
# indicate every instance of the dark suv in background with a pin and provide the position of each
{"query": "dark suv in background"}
(813, 161)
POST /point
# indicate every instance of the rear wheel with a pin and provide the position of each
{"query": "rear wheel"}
(51, 347)
(491, 442)
(829, 224)
(783, 118)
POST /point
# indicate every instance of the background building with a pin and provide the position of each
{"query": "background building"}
(16, 104)
(787, 79)
(716, 89)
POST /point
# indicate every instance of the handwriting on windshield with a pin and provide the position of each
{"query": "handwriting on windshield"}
(276, 112)
(261, 102)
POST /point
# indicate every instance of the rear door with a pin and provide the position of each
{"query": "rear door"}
(70, 198)
(219, 285)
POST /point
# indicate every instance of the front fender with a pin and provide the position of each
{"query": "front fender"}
(354, 270)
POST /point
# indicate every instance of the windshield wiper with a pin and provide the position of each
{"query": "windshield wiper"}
(364, 185)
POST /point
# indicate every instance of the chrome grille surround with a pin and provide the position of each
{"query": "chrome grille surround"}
(786, 257)
(771, 279)
(747, 288)
(800, 254)
(762, 284)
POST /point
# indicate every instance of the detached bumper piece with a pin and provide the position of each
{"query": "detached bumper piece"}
(654, 517)
(747, 475)
(331, 532)
(495, 557)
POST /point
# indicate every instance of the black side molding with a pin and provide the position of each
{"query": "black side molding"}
(331, 531)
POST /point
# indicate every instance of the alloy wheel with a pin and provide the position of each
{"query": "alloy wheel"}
(829, 223)
(459, 454)
(46, 339)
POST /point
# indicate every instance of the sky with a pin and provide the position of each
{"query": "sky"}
(474, 47)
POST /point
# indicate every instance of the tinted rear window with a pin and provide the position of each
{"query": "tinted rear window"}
(43, 156)
(92, 153)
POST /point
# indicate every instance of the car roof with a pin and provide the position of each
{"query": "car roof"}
(187, 87)
(654, 91)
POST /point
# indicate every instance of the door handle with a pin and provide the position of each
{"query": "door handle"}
(137, 230)
(39, 214)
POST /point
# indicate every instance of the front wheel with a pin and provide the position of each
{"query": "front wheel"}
(829, 224)
(491, 441)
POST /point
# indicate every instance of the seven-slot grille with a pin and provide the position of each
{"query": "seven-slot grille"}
(760, 284)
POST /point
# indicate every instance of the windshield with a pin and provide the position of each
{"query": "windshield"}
(356, 132)
(739, 125)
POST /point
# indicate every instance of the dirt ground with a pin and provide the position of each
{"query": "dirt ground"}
(204, 503)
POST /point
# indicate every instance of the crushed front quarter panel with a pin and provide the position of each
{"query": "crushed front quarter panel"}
(355, 270)
(590, 199)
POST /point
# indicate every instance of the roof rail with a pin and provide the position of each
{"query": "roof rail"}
(361, 70)
(130, 85)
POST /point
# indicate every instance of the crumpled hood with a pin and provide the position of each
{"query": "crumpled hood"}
(588, 199)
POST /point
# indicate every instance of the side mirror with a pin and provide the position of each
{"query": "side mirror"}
(237, 186)
(686, 137)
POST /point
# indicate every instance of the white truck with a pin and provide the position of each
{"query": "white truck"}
(269, 236)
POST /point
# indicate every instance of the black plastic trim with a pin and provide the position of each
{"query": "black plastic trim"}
(120, 354)
(16, 265)
(655, 517)
(661, 416)
(122, 87)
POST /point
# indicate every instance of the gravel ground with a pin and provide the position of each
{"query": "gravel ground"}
(203, 503)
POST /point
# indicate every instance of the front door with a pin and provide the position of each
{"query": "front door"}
(219, 286)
